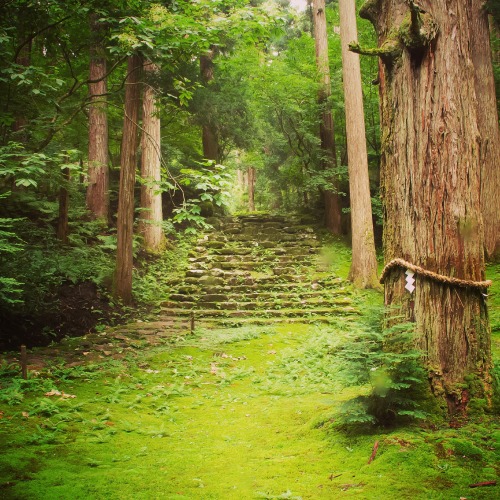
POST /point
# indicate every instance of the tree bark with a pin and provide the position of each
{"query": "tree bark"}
(333, 209)
(125, 220)
(251, 189)
(363, 272)
(98, 169)
(431, 184)
(151, 204)
(210, 138)
(487, 114)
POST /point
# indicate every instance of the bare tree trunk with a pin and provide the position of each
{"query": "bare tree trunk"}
(487, 115)
(210, 139)
(125, 221)
(431, 185)
(62, 221)
(363, 272)
(251, 189)
(98, 169)
(333, 209)
(151, 204)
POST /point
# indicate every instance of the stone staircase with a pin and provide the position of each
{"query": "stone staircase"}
(257, 269)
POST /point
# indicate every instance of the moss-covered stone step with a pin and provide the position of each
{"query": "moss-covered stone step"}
(285, 313)
(272, 304)
(239, 322)
(253, 293)
(210, 284)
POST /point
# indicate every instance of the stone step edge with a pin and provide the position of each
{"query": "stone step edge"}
(344, 310)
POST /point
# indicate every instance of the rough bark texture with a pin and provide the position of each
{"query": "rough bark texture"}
(363, 272)
(430, 182)
(333, 209)
(251, 189)
(210, 139)
(98, 170)
(125, 221)
(487, 115)
(152, 214)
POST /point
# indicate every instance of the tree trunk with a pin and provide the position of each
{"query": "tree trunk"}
(125, 220)
(62, 221)
(333, 209)
(251, 189)
(363, 272)
(98, 170)
(431, 185)
(487, 114)
(151, 215)
(210, 139)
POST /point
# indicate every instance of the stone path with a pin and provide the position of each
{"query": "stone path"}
(258, 270)
(251, 270)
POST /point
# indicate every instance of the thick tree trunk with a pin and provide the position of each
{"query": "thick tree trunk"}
(125, 221)
(363, 272)
(63, 219)
(98, 170)
(251, 189)
(487, 115)
(152, 214)
(210, 138)
(431, 184)
(333, 209)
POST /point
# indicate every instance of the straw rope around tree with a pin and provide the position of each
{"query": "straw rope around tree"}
(479, 285)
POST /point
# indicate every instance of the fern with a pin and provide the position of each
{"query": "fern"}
(386, 362)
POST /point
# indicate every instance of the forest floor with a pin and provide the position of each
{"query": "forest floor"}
(224, 413)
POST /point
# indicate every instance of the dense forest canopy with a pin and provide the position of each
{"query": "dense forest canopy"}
(124, 126)
(258, 228)
(62, 64)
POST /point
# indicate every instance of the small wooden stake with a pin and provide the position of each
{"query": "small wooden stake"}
(192, 322)
(485, 483)
(24, 362)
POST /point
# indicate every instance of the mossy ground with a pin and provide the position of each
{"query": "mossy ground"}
(240, 413)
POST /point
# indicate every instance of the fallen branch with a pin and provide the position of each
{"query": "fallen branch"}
(485, 483)
(374, 452)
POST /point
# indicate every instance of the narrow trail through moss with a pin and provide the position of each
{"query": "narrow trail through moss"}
(242, 408)
(223, 414)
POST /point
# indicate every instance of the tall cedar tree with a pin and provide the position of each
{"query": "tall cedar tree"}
(489, 145)
(210, 139)
(333, 209)
(251, 175)
(152, 214)
(363, 271)
(98, 170)
(125, 220)
(431, 183)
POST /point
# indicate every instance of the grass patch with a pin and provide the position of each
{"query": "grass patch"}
(242, 413)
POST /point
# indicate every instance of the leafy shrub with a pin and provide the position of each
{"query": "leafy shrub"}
(386, 361)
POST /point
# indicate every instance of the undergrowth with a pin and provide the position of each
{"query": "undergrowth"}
(386, 361)
(250, 412)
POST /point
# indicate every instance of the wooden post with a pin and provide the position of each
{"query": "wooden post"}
(192, 321)
(24, 362)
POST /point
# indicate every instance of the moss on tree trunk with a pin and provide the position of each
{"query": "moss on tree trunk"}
(431, 185)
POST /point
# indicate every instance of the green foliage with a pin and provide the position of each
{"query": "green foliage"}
(209, 186)
(386, 362)
(149, 280)
(10, 243)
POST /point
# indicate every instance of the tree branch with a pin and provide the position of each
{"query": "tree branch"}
(35, 34)
(389, 51)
